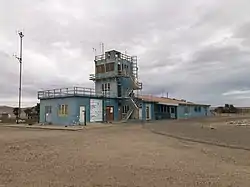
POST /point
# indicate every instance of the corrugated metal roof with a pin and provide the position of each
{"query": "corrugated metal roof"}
(167, 101)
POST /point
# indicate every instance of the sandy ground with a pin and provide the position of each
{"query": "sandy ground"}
(215, 131)
(118, 156)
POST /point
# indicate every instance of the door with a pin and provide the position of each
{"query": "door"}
(140, 113)
(110, 113)
(173, 112)
(48, 118)
(82, 116)
(148, 111)
(48, 112)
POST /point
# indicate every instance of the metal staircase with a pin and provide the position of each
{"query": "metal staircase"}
(133, 105)
(134, 78)
(136, 85)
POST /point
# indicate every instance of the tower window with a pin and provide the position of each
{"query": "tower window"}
(110, 66)
(100, 68)
(108, 86)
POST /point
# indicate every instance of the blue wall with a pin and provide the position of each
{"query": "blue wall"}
(166, 114)
(144, 110)
(192, 113)
(74, 104)
(54, 103)
(126, 83)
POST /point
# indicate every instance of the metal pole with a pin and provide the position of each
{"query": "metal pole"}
(20, 74)
(105, 109)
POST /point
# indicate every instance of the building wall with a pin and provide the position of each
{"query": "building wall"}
(126, 85)
(113, 86)
(125, 65)
(74, 104)
(54, 103)
(169, 112)
(144, 104)
(181, 111)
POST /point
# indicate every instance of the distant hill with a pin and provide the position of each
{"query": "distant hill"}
(6, 109)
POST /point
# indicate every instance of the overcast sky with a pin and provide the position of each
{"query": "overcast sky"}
(197, 50)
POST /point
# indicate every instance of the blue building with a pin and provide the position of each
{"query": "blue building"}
(115, 97)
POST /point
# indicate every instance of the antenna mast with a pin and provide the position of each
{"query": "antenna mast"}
(20, 59)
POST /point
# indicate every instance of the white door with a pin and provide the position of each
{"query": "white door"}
(82, 114)
(48, 118)
(140, 113)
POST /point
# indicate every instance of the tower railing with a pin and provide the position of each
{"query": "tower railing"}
(120, 57)
(98, 76)
(71, 91)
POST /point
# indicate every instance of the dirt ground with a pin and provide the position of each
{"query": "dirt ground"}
(156, 154)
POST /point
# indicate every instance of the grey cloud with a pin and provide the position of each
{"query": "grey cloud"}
(169, 37)
(211, 72)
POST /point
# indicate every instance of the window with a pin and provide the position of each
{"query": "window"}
(163, 108)
(105, 86)
(186, 109)
(63, 110)
(108, 86)
(110, 67)
(100, 68)
(125, 109)
(48, 110)
(197, 109)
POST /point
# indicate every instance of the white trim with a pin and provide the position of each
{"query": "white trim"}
(169, 104)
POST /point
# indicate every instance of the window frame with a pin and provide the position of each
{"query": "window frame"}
(63, 110)
(110, 66)
(108, 86)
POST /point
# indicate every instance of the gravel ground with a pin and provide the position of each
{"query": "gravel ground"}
(115, 156)
(210, 130)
